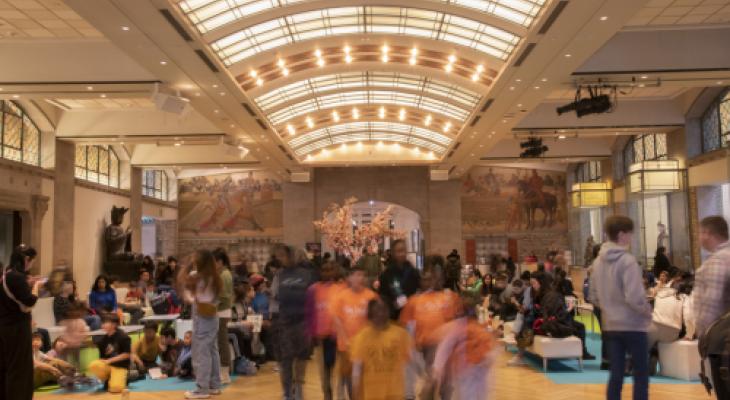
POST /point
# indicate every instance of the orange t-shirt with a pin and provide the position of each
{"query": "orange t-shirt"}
(430, 311)
(351, 309)
(323, 294)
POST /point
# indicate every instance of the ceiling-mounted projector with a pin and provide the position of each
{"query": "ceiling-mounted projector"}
(170, 103)
(597, 103)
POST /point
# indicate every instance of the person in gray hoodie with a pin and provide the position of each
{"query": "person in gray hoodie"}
(617, 288)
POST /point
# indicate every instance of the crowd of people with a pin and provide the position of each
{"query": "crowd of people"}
(377, 329)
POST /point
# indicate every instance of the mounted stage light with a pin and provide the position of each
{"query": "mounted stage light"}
(533, 148)
(597, 103)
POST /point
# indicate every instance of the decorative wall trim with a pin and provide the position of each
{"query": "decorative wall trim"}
(26, 168)
(102, 188)
(158, 202)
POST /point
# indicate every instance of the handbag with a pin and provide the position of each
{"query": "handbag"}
(206, 310)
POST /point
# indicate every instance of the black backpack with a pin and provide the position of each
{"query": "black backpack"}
(717, 342)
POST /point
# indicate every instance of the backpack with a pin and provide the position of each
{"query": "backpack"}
(161, 303)
(716, 341)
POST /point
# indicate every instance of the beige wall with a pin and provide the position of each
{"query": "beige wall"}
(437, 203)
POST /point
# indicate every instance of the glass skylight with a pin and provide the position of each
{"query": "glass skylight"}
(319, 24)
(377, 97)
(327, 83)
(370, 131)
(208, 15)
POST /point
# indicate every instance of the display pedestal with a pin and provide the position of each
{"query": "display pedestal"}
(126, 271)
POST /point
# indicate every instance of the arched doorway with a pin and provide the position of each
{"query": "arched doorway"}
(403, 220)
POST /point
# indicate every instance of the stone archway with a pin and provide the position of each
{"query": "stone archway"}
(32, 208)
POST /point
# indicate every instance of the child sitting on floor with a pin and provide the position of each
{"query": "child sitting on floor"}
(146, 350)
(171, 348)
(184, 363)
(114, 353)
(48, 369)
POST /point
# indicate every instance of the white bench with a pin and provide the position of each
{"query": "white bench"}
(43, 317)
(548, 348)
(553, 348)
(680, 360)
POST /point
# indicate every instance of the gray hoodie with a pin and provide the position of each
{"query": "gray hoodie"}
(617, 287)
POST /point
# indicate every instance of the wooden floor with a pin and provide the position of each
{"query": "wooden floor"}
(510, 384)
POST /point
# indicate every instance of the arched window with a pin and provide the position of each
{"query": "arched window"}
(98, 164)
(716, 124)
(155, 184)
(19, 136)
(589, 171)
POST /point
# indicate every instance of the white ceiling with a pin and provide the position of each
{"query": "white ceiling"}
(106, 104)
(682, 12)
(42, 19)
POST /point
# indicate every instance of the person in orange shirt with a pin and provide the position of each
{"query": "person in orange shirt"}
(424, 315)
(319, 320)
(349, 316)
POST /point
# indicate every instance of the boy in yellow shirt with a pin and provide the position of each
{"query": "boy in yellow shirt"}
(379, 356)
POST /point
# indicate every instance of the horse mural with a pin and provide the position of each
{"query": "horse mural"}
(532, 201)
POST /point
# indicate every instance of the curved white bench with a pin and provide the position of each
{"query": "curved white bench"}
(680, 360)
(554, 348)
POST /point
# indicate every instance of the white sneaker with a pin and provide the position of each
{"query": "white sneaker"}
(215, 392)
(516, 361)
(194, 394)
(225, 375)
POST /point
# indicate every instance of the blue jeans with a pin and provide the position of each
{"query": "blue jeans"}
(206, 360)
(636, 344)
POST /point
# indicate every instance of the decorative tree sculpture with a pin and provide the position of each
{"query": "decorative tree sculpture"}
(344, 236)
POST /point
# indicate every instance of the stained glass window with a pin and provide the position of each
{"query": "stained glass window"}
(98, 164)
(716, 124)
(647, 147)
(155, 184)
(19, 136)
(589, 171)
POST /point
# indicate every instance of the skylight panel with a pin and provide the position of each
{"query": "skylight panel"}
(426, 144)
(352, 20)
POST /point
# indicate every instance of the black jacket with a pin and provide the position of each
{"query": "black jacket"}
(396, 281)
(10, 312)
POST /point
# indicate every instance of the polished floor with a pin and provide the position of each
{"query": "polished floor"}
(510, 384)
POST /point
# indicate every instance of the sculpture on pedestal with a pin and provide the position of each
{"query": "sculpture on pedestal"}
(120, 260)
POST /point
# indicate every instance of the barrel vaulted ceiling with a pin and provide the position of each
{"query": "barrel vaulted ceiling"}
(346, 79)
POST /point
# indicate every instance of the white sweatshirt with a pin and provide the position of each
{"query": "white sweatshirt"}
(669, 310)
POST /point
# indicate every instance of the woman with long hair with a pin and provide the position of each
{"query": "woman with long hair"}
(103, 298)
(225, 303)
(202, 289)
(16, 301)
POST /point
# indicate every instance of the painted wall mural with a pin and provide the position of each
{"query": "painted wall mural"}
(232, 205)
(501, 201)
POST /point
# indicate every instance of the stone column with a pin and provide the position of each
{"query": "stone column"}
(64, 203)
(135, 208)
(298, 213)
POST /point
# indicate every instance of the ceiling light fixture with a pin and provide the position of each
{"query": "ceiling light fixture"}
(291, 129)
(414, 54)
(568, 55)
(449, 67)
(447, 126)
(355, 113)
(16, 96)
(125, 28)
(280, 63)
(381, 112)
(253, 75)
(89, 88)
(163, 62)
(103, 96)
(385, 50)
(475, 77)
(402, 114)
(285, 71)
(427, 122)
(320, 62)
(544, 79)
(310, 123)
(644, 76)
(259, 82)
(348, 58)
(335, 116)
(480, 68)
(603, 18)
(562, 137)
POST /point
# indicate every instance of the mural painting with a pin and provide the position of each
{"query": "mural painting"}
(496, 200)
(233, 205)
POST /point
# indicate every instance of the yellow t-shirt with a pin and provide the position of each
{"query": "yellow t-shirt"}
(148, 351)
(383, 354)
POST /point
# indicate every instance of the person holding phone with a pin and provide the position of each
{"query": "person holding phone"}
(18, 296)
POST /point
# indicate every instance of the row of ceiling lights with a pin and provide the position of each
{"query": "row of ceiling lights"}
(384, 57)
(396, 147)
(356, 115)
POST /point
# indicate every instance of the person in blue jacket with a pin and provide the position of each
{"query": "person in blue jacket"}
(102, 298)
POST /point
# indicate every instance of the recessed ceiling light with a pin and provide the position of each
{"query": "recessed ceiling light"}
(719, 82)
(641, 85)
(259, 82)
(222, 93)
(103, 96)
(544, 79)
(475, 77)
(518, 80)
(232, 126)
(253, 75)
(216, 111)
(197, 94)
(519, 105)
(603, 18)
(568, 55)
(125, 28)
(89, 88)
(178, 144)
(285, 71)
(318, 53)
(16, 96)
(537, 87)
(511, 88)
(561, 137)
(280, 63)
(644, 76)
(452, 58)
(348, 58)
(163, 62)
(448, 67)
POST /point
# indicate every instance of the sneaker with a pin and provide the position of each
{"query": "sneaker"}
(516, 361)
(215, 392)
(588, 356)
(196, 394)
